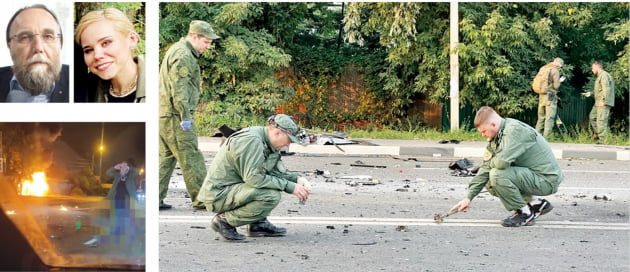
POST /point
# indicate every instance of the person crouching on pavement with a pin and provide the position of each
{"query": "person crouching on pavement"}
(518, 166)
(246, 177)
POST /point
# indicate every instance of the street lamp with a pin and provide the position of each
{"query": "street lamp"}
(101, 149)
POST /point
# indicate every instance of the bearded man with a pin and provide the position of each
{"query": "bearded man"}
(34, 39)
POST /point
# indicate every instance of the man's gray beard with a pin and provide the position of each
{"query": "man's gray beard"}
(37, 81)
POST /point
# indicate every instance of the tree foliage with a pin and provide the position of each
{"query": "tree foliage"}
(503, 45)
(239, 70)
(289, 56)
(415, 39)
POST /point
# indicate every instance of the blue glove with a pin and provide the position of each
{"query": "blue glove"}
(186, 124)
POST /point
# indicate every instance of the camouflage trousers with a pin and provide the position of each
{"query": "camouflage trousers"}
(244, 205)
(546, 117)
(514, 186)
(598, 118)
(178, 145)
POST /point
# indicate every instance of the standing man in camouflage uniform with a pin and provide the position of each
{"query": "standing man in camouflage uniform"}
(548, 100)
(246, 177)
(518, 165)
(179, 94)
(604, 100)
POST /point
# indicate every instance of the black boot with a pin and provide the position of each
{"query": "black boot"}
(164, 206)
(264, 228)
(220, 225)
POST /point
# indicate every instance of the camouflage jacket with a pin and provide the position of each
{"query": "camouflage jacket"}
(179, 81)
(246, 157)
(516, 145)
(604, 89)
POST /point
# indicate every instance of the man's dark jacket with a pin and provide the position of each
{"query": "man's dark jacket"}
(60, 94)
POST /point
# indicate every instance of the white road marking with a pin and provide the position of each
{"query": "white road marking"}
(407, 222)
(597, 171)
(566, 171)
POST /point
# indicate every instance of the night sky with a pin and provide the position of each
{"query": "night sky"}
(121, 141)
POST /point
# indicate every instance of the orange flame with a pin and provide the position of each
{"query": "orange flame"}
(38, 187)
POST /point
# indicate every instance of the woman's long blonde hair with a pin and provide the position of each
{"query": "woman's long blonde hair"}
(117, 17)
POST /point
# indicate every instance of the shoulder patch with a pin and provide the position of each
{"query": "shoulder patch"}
(487, 155)
(183, 71)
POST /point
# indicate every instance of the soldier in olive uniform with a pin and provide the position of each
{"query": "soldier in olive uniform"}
(246, 177)
(604, 100)
(548, 100)
(518, 167)
(179, 94)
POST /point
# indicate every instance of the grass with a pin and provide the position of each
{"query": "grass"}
(423, 134)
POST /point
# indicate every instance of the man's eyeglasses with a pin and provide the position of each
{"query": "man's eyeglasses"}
(28, 37)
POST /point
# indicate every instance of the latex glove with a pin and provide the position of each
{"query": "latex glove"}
(587, 94)
(562, 79)
(186, 124)
(304, 182)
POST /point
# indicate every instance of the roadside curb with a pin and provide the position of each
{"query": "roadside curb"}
(428, 148)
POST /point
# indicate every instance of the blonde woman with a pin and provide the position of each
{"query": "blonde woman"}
(108, 40)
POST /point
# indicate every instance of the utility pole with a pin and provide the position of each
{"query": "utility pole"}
(454, 62)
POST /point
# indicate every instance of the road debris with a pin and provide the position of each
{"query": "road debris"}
(603, 197)
(368, 165)
(439, 218)
(364, 244)
(460, 168)
(357, 180)
(197, 227)
(452, 141)
(405, 159)
(401, 228)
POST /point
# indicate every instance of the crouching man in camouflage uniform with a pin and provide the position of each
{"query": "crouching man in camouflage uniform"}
(518, 166)
(246, 177)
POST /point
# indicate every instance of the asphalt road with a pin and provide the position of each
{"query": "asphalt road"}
(381, 219)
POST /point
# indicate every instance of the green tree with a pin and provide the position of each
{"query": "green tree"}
(504, 44)
(500, 52)
(415, 39)
(238, 80)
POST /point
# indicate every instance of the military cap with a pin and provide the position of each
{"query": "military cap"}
(286, 124)
(202, 28)
(559, 61)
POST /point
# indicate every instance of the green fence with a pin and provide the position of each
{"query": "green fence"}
(572, 111)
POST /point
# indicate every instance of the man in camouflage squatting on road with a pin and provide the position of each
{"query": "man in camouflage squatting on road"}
(518, 167)
(179, 95)
(246, 177)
